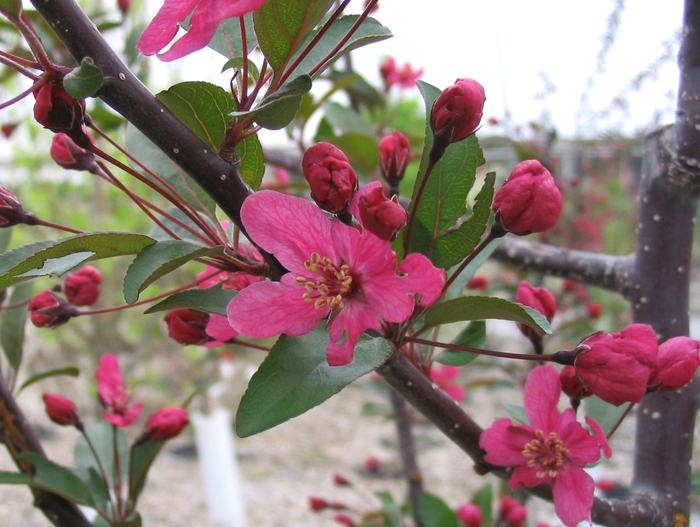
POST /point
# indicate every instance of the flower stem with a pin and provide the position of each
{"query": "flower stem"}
(478, 351)
(414, 206)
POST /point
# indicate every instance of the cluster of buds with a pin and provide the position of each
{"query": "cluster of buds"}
(334, 185)
(622, 367)
(81, 288)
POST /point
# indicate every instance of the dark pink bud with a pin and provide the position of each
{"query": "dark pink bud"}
(332, 180)
(166, 423)
(82, 288)
(187, 327)
(678, 362)
(380, 215)
(594, 309)
(372, 465)
(56, 109)
(317, 504)
(529, 201)
(341, 480)
(48, 310)
(61, 410)
(69, 155)
(570, 384)
(478, 281)
(344, 519)
(11, 211)
(617, 366)
(540, 299)
(124, 5)
(516, 515)
(470, 515)
(507, 504)
(394, 157)
(457, 111)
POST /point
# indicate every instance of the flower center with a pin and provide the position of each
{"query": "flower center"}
(548, 454)
(332, 286)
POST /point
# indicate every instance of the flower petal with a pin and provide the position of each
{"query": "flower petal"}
(219, 329)
(504, 443)
(164, 25)
(542, 391)
(289, 227)
(423, 278)
(600, 436)
(266, 309)
(573, 495)
(349, 324)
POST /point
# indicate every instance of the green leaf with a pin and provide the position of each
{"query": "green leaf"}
(158, 260)
(279, 108)
(346, 120)
(452, 247)
(228, 40)
(362, 150)
(142, 149)
(85, 80)
(28, 261)
(283, 26)
(517, 413)
(606, 414)
(14, 478)
(11, 7)
(392, 511)
(457, 288)
(252, 161)
(57, 479)
(473, 336)
(483, 498)
(12, 325)
(102, 436)
(69, 371)
(295, 377)
(203, 107)
(434, 512)
(484, 307)
(444, 200)
(236, 63)
(369, 32)
(212, 300)
(142, 457)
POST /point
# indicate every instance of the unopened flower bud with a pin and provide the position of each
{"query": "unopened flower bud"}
(332, 179)
(61, 410)
(478, 281)
(317, 504)
(394, 157)
(11, 211)
(470, 515)
(529, 201)
(48, 310)
(187, 327)
(456, 113)
(124, 5)
(166, 423)
(540, 299)
(615, 366)
(341, 480)
(82, 288)
(678, 362)
(594, 309)
(69, 155)
(380, 215)
(344, 519)
(570, 384)
(516, 515)
(56, 109)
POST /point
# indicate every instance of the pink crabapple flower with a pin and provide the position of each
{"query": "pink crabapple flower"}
(678, 362)
(444, 377)
(552, 449)
(167, 423)
(113, 393)
(206, 16)
(336, 273)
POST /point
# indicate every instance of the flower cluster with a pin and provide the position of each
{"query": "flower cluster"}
(402, 76)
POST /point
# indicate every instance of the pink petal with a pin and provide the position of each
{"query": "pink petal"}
(126, 419)
(164, 25)
(219, 329)
(110, 383)
(423, 277)
(266, 309)
(289, 227)
(600, 436)
(525, 476)
(347, 327)
(504, 443)
(573, 495)
(201, 30)
(354, 207)
(583, 447)
(542, 391)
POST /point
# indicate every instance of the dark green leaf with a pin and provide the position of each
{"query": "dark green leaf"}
(12, 326)
(14, 478)
(5, 238)
(346, 120)
(203, 107)
(228, 40)
(158, 260)
(484, 307)
(362, 150)
(95, 484)
(28, 261)
(57, 479)
(295, 377)
(457, 287)
(142, 456)
(282, 28)
(472, 336)
(85, 80)
(444, 200)
(208, 300)
(177, 230)
(452, 247)
(606, 414)
(278, 109)
(369, 32)
(157, 162)
(69, 371)
(483, 498)
(102, 437)
(11, 7)
(236, 63)
(694, 482)
(434, 512)
(252, 161)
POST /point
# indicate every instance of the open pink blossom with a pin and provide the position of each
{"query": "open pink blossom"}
(113, 393)
(206, 16)
(336, 273)
(552, 449)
